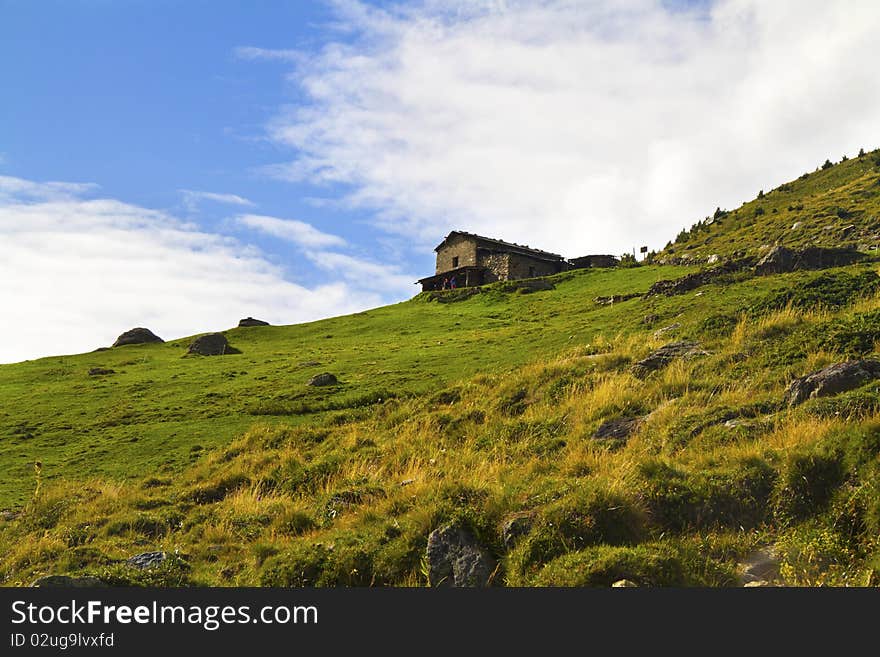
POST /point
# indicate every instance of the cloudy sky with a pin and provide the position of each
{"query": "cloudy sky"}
(180, 165)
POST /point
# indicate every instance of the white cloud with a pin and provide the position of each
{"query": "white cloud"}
(365, 274)
(192, 197)
(579, 126)
(75, 273)
(250, 53)
(291, 230)
(18, 188)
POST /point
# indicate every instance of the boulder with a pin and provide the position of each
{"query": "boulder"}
(832, 380)
(137, 336)
(624, 584)
(456, 559)
(619, 429)
(675, 286)
(67, 581)
(146, 560)
(781, 259)
(666, 354)
(250, 321)
(760, 568)
(212, 344)
(515, 527)
(666, 331)
(323, 379)
(778, 259)
(101, 371)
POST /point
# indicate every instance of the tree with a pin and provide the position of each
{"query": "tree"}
(827, 164)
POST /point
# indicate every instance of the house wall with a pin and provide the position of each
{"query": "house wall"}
(497, 265)
(519, 267)
(586, 262)
(465, 248)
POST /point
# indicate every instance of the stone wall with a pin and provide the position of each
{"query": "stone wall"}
(497, 265)
(460, 246)
(522, 266)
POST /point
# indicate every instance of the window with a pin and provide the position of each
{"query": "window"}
(455, 262)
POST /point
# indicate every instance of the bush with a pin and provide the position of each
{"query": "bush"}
(736, 496)
(806, 484)
(832, 290)
(589, 516)
(827, 164)
(854, 336)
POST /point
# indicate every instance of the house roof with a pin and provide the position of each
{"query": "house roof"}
(509, 246)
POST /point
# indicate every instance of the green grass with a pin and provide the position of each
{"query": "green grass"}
(160, 408)
(475, 409)
(833, 207)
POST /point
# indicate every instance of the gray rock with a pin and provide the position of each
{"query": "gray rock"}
(212, 344)
(619, 429)
(323, 379)
(665, 355)
(9, 516)
(101, 371)
(624, 584)
(666, 330)
(146, 560)
(832, 380)
(250, 321)
(137, 336)
(760, 568)
(777, 260)
(67, 581)
(515, 527)
(456, 559)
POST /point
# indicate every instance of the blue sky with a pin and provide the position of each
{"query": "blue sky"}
(183, 164)
(147, 98)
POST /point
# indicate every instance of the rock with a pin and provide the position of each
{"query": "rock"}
(9, 516)
(760, 566)
(137, 336)
(616, 298)
(711, 260)
(832, 380)
(650, 319)
(666, 354)
(796, 225)
(624, 584)
(619, 429)
(781, 259)
(456, 559)
(101, 371)
(756, 583)
(659, 333)
(323, 379)
(515, 527)
(146, 560)
(67, 581)
(212, 344)
(671, 287)
(250, 321)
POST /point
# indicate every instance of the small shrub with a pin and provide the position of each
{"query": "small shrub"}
(806, 484)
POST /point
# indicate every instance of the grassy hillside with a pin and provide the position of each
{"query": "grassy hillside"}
(836, 205)
(486, 411)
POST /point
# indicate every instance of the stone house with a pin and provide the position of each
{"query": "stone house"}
(589, 261)
(476, 260)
